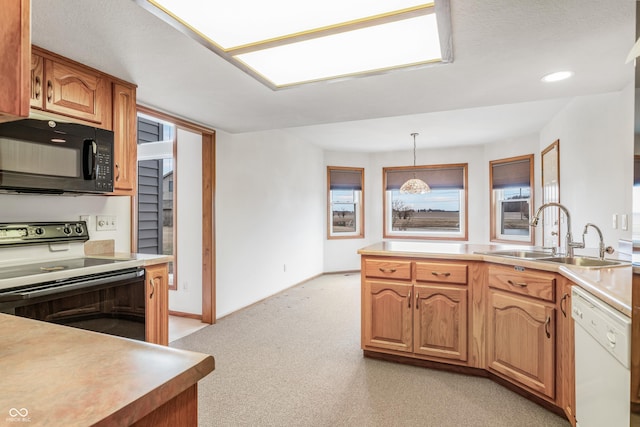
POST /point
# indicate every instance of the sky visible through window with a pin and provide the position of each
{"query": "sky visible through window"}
(444, 200)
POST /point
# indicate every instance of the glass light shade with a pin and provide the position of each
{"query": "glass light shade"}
(415, 186)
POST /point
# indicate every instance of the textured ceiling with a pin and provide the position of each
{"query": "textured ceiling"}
(492, 90)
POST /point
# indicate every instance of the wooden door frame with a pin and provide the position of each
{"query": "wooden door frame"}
(208, 209)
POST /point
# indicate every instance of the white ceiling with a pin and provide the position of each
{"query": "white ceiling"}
(491, 92)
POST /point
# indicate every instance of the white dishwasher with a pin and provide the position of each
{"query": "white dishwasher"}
(602, 359)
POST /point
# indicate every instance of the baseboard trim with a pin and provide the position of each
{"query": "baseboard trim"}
(267, 297)
(425, 363)
(183, 314)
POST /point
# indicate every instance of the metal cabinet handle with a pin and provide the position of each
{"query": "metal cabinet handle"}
(521, 284)
(384, 270)
(117, 172)
(563, 300)
(153, 288)
(546, 326)
(417, 297)
(435, 273)
(49, 90)
(409, 300)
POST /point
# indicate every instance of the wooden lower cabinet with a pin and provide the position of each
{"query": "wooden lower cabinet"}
(512, 323)
(440, 321)
(422, 319)
(387, 315)
(566, 354)
(157, 304)
(521, 340)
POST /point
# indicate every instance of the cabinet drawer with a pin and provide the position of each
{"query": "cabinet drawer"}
(441, 272)
(388, 268)
(533, 284)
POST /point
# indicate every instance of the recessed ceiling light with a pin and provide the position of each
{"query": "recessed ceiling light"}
(557, 76)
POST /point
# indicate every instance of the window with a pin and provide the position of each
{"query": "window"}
(155, 197)
(511, 199)
(345, 191)
(440, 214)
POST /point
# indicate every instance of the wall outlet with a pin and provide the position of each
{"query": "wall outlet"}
(106, 223)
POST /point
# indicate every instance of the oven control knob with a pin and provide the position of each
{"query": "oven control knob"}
(78, 229)
(66, 230)
(39, 231)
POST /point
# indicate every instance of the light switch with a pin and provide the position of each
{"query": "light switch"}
(625, 222)
(614, 221)
(106, 222)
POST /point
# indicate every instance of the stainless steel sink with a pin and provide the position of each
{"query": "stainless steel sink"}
(519, 253)
(587, 262)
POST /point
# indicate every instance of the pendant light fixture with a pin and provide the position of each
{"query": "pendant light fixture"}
(414, 185)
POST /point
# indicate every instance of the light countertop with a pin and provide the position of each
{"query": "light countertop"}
(610, 284)
(65, 376)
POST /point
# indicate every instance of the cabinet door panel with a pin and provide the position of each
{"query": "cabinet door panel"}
(157, 304)
(566, 351)
(387, 315)
(37, 81)
(440, 321)
(521, 341)
(77, 93)
(125, 143)
(15, 47)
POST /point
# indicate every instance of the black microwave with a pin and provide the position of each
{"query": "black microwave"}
(47, 156)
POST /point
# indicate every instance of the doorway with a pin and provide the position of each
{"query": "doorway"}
(195, 145)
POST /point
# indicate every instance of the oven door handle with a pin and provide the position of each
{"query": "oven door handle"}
(78, 283)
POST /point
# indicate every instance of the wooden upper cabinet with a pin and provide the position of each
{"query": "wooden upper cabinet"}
(75, 92)
(15, 51)
(125, 141)
(67, 89)
(37, 81)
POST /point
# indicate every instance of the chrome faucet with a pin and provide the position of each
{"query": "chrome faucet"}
(601, 246)
(569, 243)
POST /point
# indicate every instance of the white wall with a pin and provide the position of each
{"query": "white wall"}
(270, 197)
(31, 208)
(187, 298)
(341, 255)
(596, 173)
(596, 162)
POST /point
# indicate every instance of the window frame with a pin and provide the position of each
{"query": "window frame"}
(462, 235)
(359, 206)
(495, 203)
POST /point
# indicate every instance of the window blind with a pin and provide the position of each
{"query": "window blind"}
(345, 179)
(511, 174)
(436, 178)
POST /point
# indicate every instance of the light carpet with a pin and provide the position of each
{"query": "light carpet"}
(295, 360)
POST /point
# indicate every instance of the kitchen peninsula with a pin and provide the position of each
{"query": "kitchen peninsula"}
(60, 376)
(463, 307)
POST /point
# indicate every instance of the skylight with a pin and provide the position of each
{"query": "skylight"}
(285, 42)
